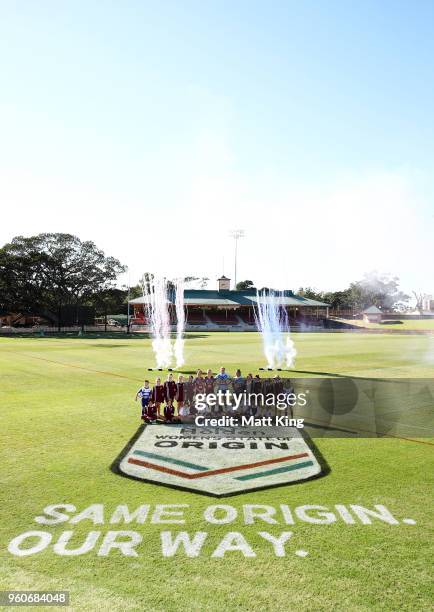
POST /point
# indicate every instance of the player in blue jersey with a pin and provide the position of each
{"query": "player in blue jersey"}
(222, 383)
(145, 394)
(222, 380)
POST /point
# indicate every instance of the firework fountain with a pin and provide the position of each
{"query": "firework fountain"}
(272, 321)
(157, 313)
(178, 348)
(156, 304)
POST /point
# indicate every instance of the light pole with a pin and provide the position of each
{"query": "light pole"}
(128, 303)
(236, 234)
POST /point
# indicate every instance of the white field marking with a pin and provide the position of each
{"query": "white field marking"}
(192, 546)
(44, 539)
(60, 547)
(127, 547)
(230, 514)
(233, 541)
(168, 513)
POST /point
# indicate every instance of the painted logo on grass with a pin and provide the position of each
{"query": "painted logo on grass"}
(219, 460)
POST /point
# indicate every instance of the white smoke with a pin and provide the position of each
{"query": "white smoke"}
(178, 348)
(157, 313)
(156, 305)
(273, 324)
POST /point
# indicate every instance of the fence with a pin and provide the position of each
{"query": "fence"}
(44, 329)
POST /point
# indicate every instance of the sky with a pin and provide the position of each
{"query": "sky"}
(156, 128)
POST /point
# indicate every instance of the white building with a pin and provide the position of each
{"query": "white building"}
(428, 304)
(372, 315)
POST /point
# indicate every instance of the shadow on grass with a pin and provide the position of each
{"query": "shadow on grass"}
(346, 376)
(390, 322)
(94, 336)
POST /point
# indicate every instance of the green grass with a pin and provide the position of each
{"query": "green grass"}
(388, 324)
(66, 411)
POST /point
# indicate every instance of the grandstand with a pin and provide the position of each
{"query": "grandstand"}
(225, 309)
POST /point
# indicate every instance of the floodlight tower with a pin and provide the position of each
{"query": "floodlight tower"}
(236, 235)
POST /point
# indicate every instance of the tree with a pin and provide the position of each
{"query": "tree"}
(148, 278)
(339, 299)
(111, 301)
(200, 281)
(310, 293)
(246, 284)
(419, 300)
(382, 290)
(42, 273)
(377, 289)
(136, 291)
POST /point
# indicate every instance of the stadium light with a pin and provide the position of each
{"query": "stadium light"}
(236, 234)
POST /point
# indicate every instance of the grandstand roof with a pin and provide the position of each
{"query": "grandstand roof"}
(246, 297)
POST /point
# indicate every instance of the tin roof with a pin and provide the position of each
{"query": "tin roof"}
(372, 310)
(246, 297)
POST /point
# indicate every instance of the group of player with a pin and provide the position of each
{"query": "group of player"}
(172, 401)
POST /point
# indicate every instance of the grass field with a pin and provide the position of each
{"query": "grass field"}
(66, 412)
(396, 326)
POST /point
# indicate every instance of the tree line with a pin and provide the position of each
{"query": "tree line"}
(41, 275)
(53, 274)
(44, 274)
(381, 290)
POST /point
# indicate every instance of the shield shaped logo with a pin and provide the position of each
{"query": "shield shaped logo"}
(219, 461)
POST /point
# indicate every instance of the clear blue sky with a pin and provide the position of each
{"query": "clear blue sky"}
(153, 128)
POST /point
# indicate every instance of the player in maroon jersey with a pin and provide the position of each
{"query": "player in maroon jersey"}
(150, 413)
(180, 393)
(189, 391)
(209, 386)
(169, 413)
(199, 383)
(158, 395)
(199, 388)
(169, 390)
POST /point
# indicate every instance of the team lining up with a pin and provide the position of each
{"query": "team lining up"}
(183, 393)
